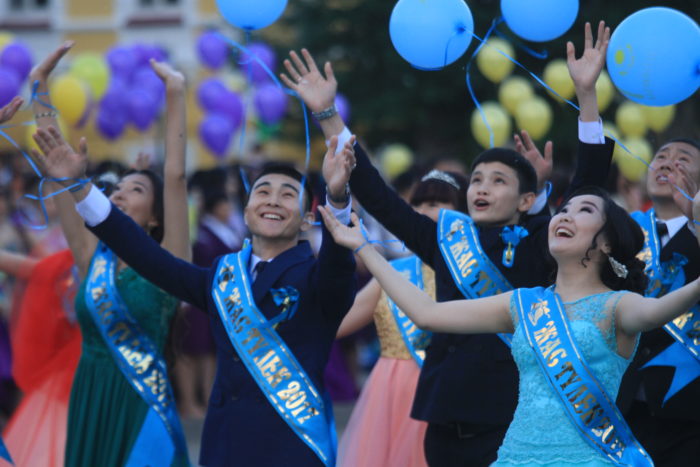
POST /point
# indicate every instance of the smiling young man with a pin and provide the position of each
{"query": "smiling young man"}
(274, 310)
(660, 392)
(467, 391)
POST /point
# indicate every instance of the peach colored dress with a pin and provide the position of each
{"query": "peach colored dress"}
(381, 432)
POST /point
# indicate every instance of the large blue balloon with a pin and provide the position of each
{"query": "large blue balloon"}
(539, 20)
(431, 34)
(251, 14)
(654, 56)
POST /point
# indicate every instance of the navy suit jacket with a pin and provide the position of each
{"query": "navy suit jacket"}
(241, 427)
(469, 378)
(685, 405)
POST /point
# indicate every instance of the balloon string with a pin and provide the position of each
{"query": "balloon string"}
(246, 105)
(383, 243)
(539, 54)
(35, 96)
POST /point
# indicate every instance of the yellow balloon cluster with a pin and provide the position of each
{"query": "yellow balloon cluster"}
(630, 167)
(514, 90)
(396, 159)
(31, 129)
(658, 118)
(492, 63)
(630, 120)
(499, 121)
(70, 97)
(535, 116)
(604, 91)
(556, 75)
(93, 70)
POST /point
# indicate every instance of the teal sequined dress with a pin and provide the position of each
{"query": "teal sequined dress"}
(541, 434)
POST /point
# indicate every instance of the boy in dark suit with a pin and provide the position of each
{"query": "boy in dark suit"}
(468, 388)
(661, 399)
(274, 311)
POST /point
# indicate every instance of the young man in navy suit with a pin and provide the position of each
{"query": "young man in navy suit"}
(274, 310)
(468, 387)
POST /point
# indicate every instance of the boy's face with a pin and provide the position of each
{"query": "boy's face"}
(670, 158)
(493, 197)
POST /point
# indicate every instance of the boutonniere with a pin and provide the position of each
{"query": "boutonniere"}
(511, 236)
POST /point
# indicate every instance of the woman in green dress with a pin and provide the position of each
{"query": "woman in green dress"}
(106, 413)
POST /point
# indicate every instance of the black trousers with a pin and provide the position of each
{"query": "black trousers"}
(670, 443)
(458, 445)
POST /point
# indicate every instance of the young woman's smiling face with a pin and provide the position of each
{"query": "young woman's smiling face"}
(572, 229)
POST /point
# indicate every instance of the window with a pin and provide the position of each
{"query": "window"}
(28, 5)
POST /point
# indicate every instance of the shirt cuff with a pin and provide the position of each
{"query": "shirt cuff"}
(343, 215)
(94, 208)
(343, 138)
(591, 132)
(540, 202)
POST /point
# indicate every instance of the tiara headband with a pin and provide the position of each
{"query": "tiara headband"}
(441, 176)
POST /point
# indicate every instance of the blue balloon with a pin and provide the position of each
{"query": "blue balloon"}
(539, 20)
(654, 57)
(250, 15)
(431, 34)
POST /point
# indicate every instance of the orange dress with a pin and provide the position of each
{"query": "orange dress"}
(46, 347)
(381, 432)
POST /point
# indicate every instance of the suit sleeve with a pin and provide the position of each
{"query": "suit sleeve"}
(592, 165)
(335, 278)
(417, 231)
(131, 243)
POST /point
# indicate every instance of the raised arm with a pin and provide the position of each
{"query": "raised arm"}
(16, 265)
(10, 109)
(484, 315)
(176, 237)
(81, 242)
(360, 315)
(585, 71)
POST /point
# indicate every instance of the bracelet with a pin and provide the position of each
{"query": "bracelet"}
(50, 114)
(325, 113)
(357, 250)
(77, 187)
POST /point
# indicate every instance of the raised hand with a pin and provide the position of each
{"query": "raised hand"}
(10, 109)
(338, 167)
(143, 161)
(317, 91)
(349, 237)
(42, 71)
(58, 157)
(542, 164)
(585, 70)
(173, 79)
(682, 179)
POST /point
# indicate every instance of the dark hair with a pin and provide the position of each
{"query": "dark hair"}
(434, 189)
(212, 198)
(625, 238)
(692, 142)
(157, 209)
(527, 177)
(289, 171)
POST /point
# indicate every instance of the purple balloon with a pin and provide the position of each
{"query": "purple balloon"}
(145, 79)
(110, 125)
(17, 56)
(212, 50)
(342, 105)
(142, 107)
(271, 103)
(122, 61)
(9, 85)
(258, 75)
(216, 131)
(230, 105)
(145, 52)
(210, 92)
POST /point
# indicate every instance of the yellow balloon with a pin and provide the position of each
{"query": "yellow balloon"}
(604, 91)
(630, 120)
(556, 75)
(31, 129)
(535, 116)
(513, 91)
(492, 64)
(5, 38)
(69, 95)
(236, 82)
(92, 69)
(658, 118)
(396, 159)
(499, 121)
(628, 162)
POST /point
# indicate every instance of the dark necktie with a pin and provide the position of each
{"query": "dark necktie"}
(661, 229)
(259, 268)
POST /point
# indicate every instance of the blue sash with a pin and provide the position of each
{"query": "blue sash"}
(161, 438)
(684, 354)
(588, 406)
(4, 453)
(472, 271)
(268, 359)
(416, 339)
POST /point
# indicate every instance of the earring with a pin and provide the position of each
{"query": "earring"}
(618, 268)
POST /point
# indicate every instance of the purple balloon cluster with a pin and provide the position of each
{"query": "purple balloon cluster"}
(224, 115)
(135, 94)
(15, 65)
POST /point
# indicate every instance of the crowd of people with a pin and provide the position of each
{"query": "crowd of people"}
(508, 335)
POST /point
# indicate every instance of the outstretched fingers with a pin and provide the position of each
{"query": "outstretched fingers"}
(300, 66)
(310, 63)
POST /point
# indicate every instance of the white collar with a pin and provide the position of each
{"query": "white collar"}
(674, 225)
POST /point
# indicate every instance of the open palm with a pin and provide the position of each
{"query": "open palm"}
(58, 158)
(317, 91)
(349, 237)
(585, 70)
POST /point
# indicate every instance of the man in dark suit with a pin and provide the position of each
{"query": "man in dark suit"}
(665, 420)
(468, 387)
(242, 427)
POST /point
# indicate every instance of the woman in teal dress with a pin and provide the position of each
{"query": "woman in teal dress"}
(596, 300)
(106, 413)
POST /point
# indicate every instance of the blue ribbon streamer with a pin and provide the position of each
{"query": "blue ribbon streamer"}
(383, 243)
(35, 96)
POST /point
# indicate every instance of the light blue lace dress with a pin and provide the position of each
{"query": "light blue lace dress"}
(541, 433)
